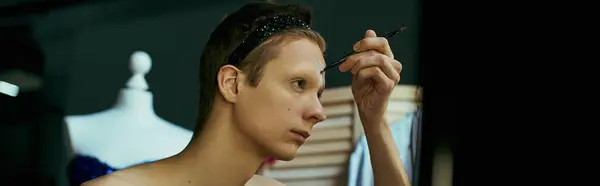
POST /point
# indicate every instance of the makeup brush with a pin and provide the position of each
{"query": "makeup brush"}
(388, 35)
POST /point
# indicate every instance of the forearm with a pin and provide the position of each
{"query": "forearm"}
(385, 158)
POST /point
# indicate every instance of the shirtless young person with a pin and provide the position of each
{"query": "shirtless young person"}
(260, 86)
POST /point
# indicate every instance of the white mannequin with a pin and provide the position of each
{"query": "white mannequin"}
(129, 133)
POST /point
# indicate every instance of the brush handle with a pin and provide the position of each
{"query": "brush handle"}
(338, 62)
(388, 35)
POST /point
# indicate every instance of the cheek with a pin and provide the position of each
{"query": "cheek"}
(281, 108)
(285, 107)
(269, 108)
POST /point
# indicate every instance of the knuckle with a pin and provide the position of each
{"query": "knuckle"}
(397, 78)
(362, 43)
(382, 59)
(390, 86)
(379, 71)
(384, 41)
(399, 66)
(361, 60)
(373, 70)
(361, 74)
(372, 53)
(358, 65)
(352, 58)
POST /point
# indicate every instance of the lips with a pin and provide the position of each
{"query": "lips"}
(302, 133)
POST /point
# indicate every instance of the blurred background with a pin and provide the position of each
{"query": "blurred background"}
(71, 57)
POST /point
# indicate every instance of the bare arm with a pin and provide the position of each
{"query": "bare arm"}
(375, 73)
(385, 158)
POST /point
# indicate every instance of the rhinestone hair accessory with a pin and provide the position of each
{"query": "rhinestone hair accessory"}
(267, 28)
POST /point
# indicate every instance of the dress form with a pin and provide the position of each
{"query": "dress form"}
(129, 133)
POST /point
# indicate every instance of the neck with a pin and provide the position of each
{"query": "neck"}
(137, 101)
(220, 155)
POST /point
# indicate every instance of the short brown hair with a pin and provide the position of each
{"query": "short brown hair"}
(231, 32)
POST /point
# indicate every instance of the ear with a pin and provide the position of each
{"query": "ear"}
(229, 78)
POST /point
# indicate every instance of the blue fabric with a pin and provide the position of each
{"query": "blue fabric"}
(84, 168)
(360, 169)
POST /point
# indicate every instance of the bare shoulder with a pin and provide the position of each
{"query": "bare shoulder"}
(257, 180)
(108, 180)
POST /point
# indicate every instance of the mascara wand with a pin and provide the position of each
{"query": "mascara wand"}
(388, 35)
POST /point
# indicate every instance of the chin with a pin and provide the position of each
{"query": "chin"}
(287, 157)
(286, 153)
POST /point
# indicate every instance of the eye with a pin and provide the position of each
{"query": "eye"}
(300, 84)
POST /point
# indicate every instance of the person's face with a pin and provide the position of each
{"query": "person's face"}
(280, 112)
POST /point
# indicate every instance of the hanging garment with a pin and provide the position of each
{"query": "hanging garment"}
(360, 169)
(85, 168)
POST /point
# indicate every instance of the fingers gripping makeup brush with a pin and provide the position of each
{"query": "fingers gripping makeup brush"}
(388, 35)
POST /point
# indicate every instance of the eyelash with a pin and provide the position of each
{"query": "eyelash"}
(296, 85)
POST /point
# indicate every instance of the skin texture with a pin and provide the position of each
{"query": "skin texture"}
(285, 100)
(249, 123)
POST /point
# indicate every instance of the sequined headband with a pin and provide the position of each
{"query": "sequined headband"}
(267, 28)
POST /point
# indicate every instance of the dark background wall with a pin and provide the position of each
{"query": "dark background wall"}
(86, 50)
(94, 53)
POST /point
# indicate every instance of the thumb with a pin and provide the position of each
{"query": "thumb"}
(370, 33)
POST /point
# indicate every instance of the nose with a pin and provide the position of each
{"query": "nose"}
(315, 112)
